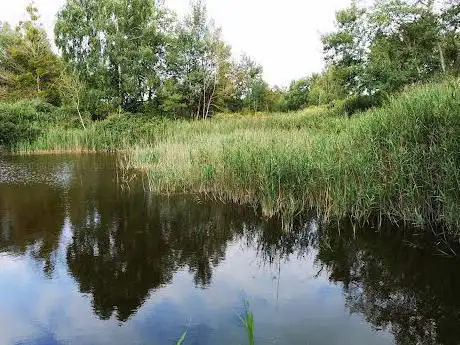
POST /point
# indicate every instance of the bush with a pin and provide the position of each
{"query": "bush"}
(102, 111)
(14, 133)
(24, 121)
(17, 123)
(354, 104)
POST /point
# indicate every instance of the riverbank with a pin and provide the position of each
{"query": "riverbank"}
(400, 161)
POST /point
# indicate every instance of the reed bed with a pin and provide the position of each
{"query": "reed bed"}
(401, 161)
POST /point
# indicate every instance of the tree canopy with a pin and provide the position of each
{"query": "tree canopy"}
(28, 67)
(138, 56)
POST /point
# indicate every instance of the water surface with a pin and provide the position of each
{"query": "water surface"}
(86, 260)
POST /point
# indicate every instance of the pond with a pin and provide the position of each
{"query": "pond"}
(86, 259)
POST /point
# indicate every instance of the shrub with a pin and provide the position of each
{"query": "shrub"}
(19, 122)
(354, 104)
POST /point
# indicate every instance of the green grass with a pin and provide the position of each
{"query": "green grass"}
(401, 161)
(247, 319)
(118, 132)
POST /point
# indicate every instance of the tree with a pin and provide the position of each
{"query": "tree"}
(241, 75)
(450, 31)
(28, 67)
(116, 46)
(405, 46)
(275, 99)
(7, 66)
(72, 91)
(382, 48)
(327, 86)
(252, 89)
(345, 48)
(197, 63)
(298, 94)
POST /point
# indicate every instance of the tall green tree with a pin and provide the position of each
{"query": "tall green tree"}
(345, 48)
(450, 31)
(8, 37)
(392, 43)
(297, 94)
(28, 66)
(197, 61)
(405, 47)
(252, 89)
(116, 46)
(328, 86)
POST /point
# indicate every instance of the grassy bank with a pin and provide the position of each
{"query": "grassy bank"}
(401, 161)
(33, 127)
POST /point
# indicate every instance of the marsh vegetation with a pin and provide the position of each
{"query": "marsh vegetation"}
(375, 134)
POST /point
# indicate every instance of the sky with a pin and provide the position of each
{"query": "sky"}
(283, 36)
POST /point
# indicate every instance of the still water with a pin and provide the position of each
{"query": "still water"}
(86, 260)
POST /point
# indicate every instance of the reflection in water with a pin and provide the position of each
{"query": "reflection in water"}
(120, 251)
(126, 246)
(397, 284)
(30, 222)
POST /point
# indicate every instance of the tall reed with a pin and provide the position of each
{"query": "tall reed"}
(401, 161)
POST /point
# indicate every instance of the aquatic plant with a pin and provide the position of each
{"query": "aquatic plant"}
(182, 338)
(400, 161)
(247, 319)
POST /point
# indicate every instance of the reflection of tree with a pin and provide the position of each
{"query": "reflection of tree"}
(129, 244)
(273, 241)
(410, 290)
(31, 219)
(126, 243)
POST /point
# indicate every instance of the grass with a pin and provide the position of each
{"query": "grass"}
(247, 319)
(182, 338)
(125, 132)
(400, 161)
(118, 132)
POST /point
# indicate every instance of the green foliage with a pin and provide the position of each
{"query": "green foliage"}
(247, 319)
(28, 67)
(116, 46)
(345, 48)
(400, 160)
(196, 60)
(327, 87)
(297, 96)
(24, 121)
(137, 56)
(450, 35)
(391, 44)
(354, 104)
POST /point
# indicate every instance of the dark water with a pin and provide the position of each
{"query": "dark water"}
(85, 261)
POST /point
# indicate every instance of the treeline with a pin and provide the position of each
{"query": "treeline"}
(137, 56)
